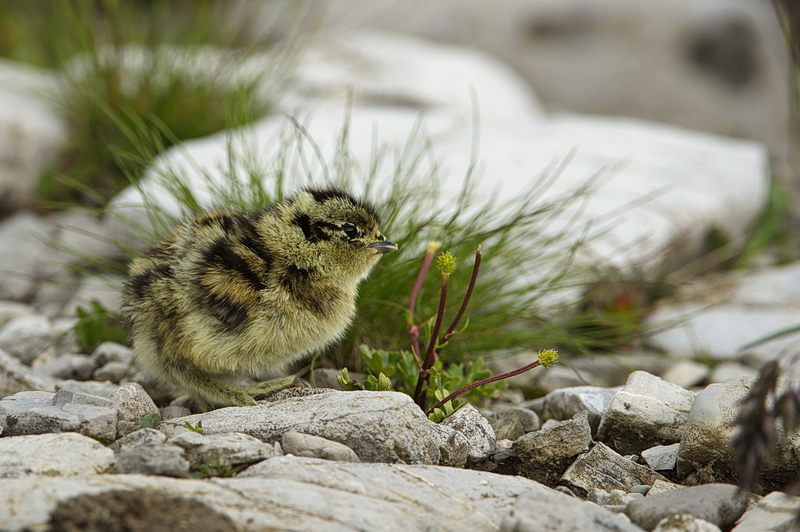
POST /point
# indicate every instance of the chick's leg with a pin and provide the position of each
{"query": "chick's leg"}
(209, 391)
(263, 389)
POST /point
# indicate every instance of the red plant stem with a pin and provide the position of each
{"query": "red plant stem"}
(482, 382)
(423, 271)
(430, 355)
(413, 330)
(451, 330)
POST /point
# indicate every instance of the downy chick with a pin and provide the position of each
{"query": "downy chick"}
(229, 294)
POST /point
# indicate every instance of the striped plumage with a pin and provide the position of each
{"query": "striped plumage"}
(229, 294)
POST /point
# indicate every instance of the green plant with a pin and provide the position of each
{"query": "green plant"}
(136, 78)
(151, 421)
(426, 376)
(198, 428)
(97, 325)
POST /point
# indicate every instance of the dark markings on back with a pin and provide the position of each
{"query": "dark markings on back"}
(221, 255)
(251, 241)
(296, 282)
(139, 284)
(231, 315)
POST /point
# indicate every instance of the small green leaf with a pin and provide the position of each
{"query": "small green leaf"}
(195, 428)
(151, 421)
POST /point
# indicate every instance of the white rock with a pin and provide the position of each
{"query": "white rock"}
(222, 450)
(53, 455)
(566, 402)
(713, 65)
(706, 451)
(549, 511)
(34, 413)
(776, 511)
(31, 132)
(139, 437)
(661, 457)
(648, 411)
(602, 468)
(300, 444)
(387, 69)
(475, 428)
(25, 337)
(662, 485)
(723, 317)
(17, 377)
(104, 290)
(378, 426)
(112, 352)
(453, 446)
(686, 373)
(685, 523)
(546, 454)
(731, 371)
(304, 494)
(723, 332)
(132, 404)
(153, 459)
(11, 309)
(69, 366)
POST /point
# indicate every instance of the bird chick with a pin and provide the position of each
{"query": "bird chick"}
(229, 294)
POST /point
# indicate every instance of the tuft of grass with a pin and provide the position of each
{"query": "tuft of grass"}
(136, 78)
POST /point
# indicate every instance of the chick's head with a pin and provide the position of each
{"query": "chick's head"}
(337, 234)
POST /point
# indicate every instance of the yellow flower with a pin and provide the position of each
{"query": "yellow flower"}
(446, 263)
(548, 357)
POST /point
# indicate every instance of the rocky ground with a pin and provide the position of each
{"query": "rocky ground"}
(621, 441)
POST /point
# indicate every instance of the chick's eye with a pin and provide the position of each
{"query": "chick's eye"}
(350, 230)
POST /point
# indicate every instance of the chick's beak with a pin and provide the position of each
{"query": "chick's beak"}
(385, 246)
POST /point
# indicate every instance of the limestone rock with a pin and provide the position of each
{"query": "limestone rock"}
(25, 259)
(720, 504)
(17, 377)
(69, 366)
(566, 402)
(12, 309)
(32, 132)
(132, 404)
(53, 455)
(453, 446)
(139, 437)
(153, 459)
(222, 451)
(546, 454)
(685, 523)
(378, 426)
(662, 457)
(553, 511)
(302, 494)
(712, 66)
(111, 352)
(26, 336)
(300, 444)
(706, 453)
(686, 373)
(475, 428)
(648, 411)
(776, 511)
(35, 413)
(602, 468)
